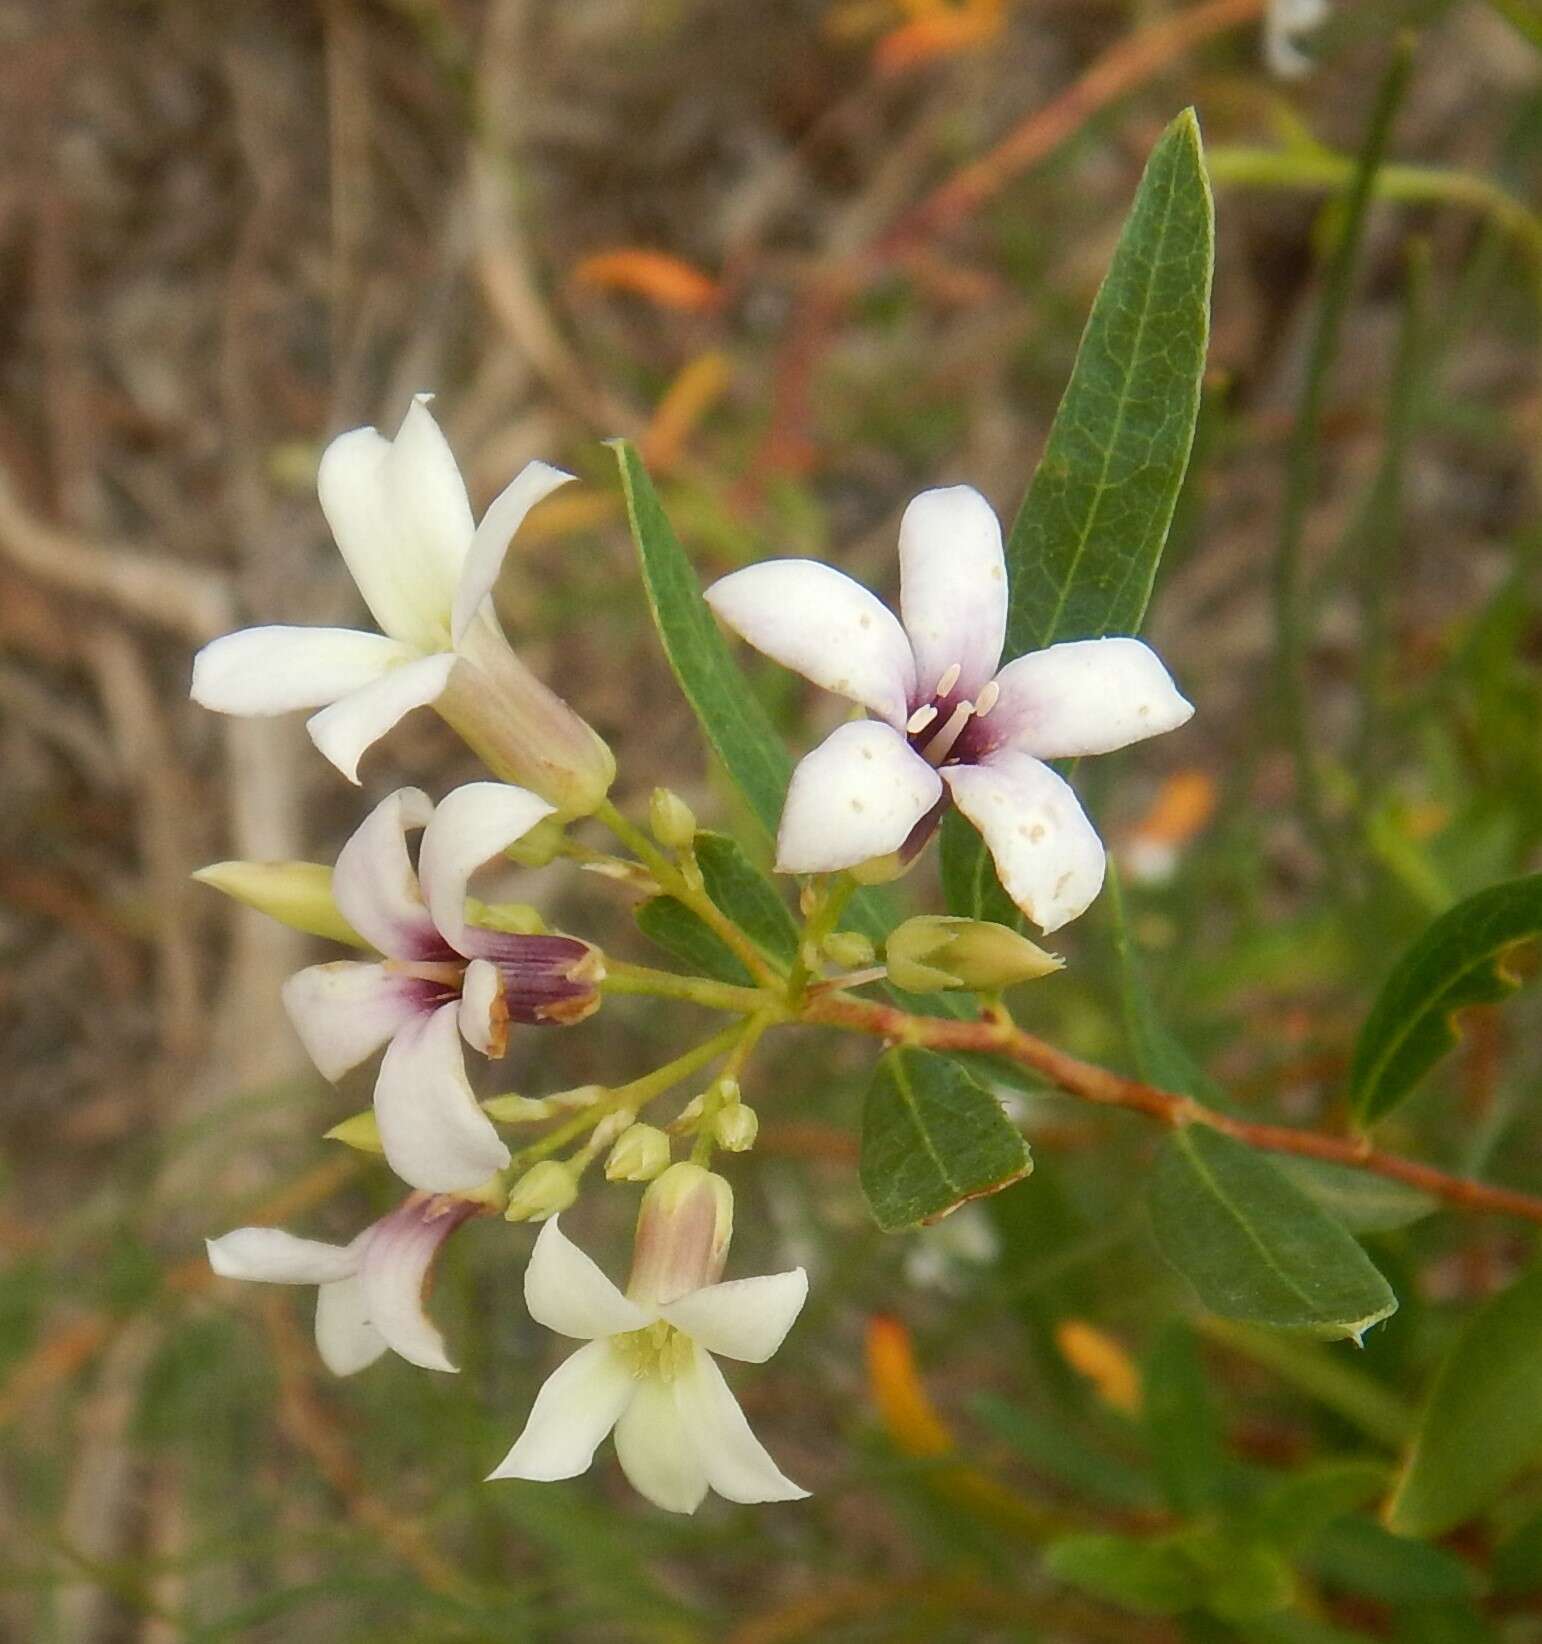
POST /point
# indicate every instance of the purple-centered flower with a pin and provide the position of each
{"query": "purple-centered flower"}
(950, 722)
(370, 1292)
(442, 979)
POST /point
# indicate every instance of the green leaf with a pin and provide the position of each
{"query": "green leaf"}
(1458, 961)
(969, 882)
(682, 933)
(744, 893)
(1254, 1246)
(736, 725)
(1242, 1579)
(931, 1139)
(1356, 1555)
(1294, 1512)
(1361, 1202)
(1483, 1423)
(1181, 1426)
(1066, 1455)
(1148, 1577)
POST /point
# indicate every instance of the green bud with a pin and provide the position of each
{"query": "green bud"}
(735, 1128)
(297, 894)
(946, 951)
(849, 949)
(542, 845)
(518, 1110)
(360, 1132)
(515, 918)
(671, 821)
(880, 870)
(641, 1153)
(541, 1192)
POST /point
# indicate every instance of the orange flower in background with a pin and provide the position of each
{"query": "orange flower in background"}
(1182, 809)
(935, 29)
(656, 275)
(1095, 1355)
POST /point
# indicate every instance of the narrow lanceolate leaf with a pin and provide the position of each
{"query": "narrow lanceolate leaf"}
(1457, 962)
(931, 1139)
(736, 726)
(696, 945)
(744, 893)
(1254, 1246)
(1483, 1424)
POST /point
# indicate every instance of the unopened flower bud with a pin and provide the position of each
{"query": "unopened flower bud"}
(541, 845)
(735, 1128)
(880, 870)
(947, 951)
(551, 981)
(360, 1133)
(542, 1191)
(849, 949)
(578, 1098)
(670, 820)
(683, 1227)
(641, 1153)
(297, 894)
(518, 1110)
(510, 918)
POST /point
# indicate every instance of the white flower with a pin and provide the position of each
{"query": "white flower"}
(370, 1294)
(399, 512)
(945, 715)
(443, 979)
(647, 1372)
(1285, 22)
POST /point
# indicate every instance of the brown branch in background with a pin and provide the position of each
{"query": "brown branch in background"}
(996, 1036)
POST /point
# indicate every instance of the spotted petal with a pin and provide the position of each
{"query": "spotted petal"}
(737, 1464)
(953, 588)
(276, 670)
(660, 1449)
(504, 516)
(355, 723)
(469, 827)
(375, 887)
(578, 1405)
(745, 1319)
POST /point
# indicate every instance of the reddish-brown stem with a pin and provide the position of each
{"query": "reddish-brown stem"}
(996, 1036)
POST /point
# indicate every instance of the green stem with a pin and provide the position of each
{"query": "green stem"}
(749, 1037)
(832, 904)
(623, 977)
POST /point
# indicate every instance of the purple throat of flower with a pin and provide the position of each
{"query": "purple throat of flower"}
(947, 728)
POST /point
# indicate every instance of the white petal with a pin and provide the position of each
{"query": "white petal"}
(744, 1319)
(351, 726)
(433, 1133)
(397, 1256)
(277, 1257)
(344, 1012)
(738, 1466)
(817, 621)
(578, 1405)
(567, 1293)
(953, 588)
(658, 1448)
(484, 1022)
(399, 512)
(276, 670)
(504, 516)
(375, 887)
(345, 1338)
(1047, 853)
(1088, 696)
(856, 796)
(470, 826)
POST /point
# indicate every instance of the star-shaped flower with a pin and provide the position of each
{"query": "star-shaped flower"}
(948, 724)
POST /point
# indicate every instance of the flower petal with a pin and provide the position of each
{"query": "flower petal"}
(374, 885)
(484, 1018)
(345, 1339)
(1088, 696)
(566, 1292)
(953, 588)
(433, 1133)
(1047, 853)
(819, 622)
(397, 1256)
(276, 670)
(744, 1319)
(469, 827)
(355, 723)
(504, 516)
(658, 1448)
(399, 512)
(344, 1012)
(275, 1257)
(737, 1463)
(856, 796)
(578, 1405)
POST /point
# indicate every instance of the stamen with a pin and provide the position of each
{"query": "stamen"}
(949, 679)
(941, 745)
(921, 718)
(989, 697)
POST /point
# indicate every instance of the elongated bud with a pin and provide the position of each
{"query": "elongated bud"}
(641, 1153)
(541, 846)
(670, 820)
(849, 949)
(683, 1228)
(297, 894)
(735, 1128)
(946, 951)
(522, 730)
(518, 1110)
(360, 1133)
(542, 1191)
(510, 918)
(548, 981)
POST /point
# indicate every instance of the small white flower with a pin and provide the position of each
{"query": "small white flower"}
(370, 1294)
(442, 978)
(647, 1372)
(948, 724)
(1285, 22)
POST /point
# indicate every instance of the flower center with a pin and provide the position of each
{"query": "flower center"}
(935, 741)
(657, 1350)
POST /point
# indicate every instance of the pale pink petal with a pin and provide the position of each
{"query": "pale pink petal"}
(566, 1292)
(344, 1012)
(397, 1256)
(484, 1019)
(504, 516)
(469, 827)
(433, 1133)
(273, 1256)
(953, 589)
(744, 1319)
(659, 1448)
(856, 796)
(737, 1464)
(1047, 854)
(375, 887)
(578, 1405)
(345, 1339)
(817, 621)
(276, 670)
(354, 724)
(1088, 696)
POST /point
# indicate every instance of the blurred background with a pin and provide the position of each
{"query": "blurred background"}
(813, 256)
